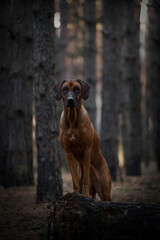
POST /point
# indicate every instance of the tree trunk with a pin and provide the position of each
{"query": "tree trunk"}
(49, 167)
(157, 63)
(75, 40)
(132, 94)
(90, 57)
(158, 86)
(152, 74)
(63, 39)
(158, 129)
(18, 87)
(5, 56)
(76, 217)
(109, 125)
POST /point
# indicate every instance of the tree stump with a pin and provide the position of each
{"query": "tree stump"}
(76, 217)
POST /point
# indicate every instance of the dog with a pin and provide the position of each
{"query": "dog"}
(89, 170)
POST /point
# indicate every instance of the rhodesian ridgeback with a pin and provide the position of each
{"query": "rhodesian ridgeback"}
(89, 170)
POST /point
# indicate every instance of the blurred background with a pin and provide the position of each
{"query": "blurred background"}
(112, 45)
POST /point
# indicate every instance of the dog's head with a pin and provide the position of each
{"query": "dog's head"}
(71, 91)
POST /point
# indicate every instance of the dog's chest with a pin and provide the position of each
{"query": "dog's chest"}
(74, 137)
(74, 140)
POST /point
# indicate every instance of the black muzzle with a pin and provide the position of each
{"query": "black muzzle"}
(71, 100)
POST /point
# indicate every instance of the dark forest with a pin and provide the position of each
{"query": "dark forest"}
(112, 45)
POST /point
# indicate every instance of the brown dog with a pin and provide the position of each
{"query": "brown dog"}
(81, 143)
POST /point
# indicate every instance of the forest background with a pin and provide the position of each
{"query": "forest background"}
(112, 45)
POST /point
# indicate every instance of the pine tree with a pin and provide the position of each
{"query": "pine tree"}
(49, 166)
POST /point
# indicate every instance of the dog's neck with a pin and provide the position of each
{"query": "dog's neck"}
(72, 115)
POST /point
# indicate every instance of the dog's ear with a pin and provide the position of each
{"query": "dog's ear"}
(85, 89)
(57, 90)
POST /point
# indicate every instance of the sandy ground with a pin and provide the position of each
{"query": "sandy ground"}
(22, 218)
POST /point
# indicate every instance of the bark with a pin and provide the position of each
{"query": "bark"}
(109, 124)
(18, 87)
(153, 73)
(131, 110)
(49, 167)
(157, 9)
(5, 56)
(158, 87)
(158, 131)
(90, 57)
(76, 217)
(144, 94)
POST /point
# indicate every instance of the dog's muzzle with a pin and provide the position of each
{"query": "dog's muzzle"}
(71, 101)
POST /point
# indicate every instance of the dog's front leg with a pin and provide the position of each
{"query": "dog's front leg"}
(86, 171)
(73, 169)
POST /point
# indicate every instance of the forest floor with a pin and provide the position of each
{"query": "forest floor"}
(21, 218)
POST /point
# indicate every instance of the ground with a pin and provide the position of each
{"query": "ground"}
(22, 218)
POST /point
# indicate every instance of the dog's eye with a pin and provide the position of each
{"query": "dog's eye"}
(76, 89)
(65, 90)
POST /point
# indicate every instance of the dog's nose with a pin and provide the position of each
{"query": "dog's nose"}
(70, 100)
